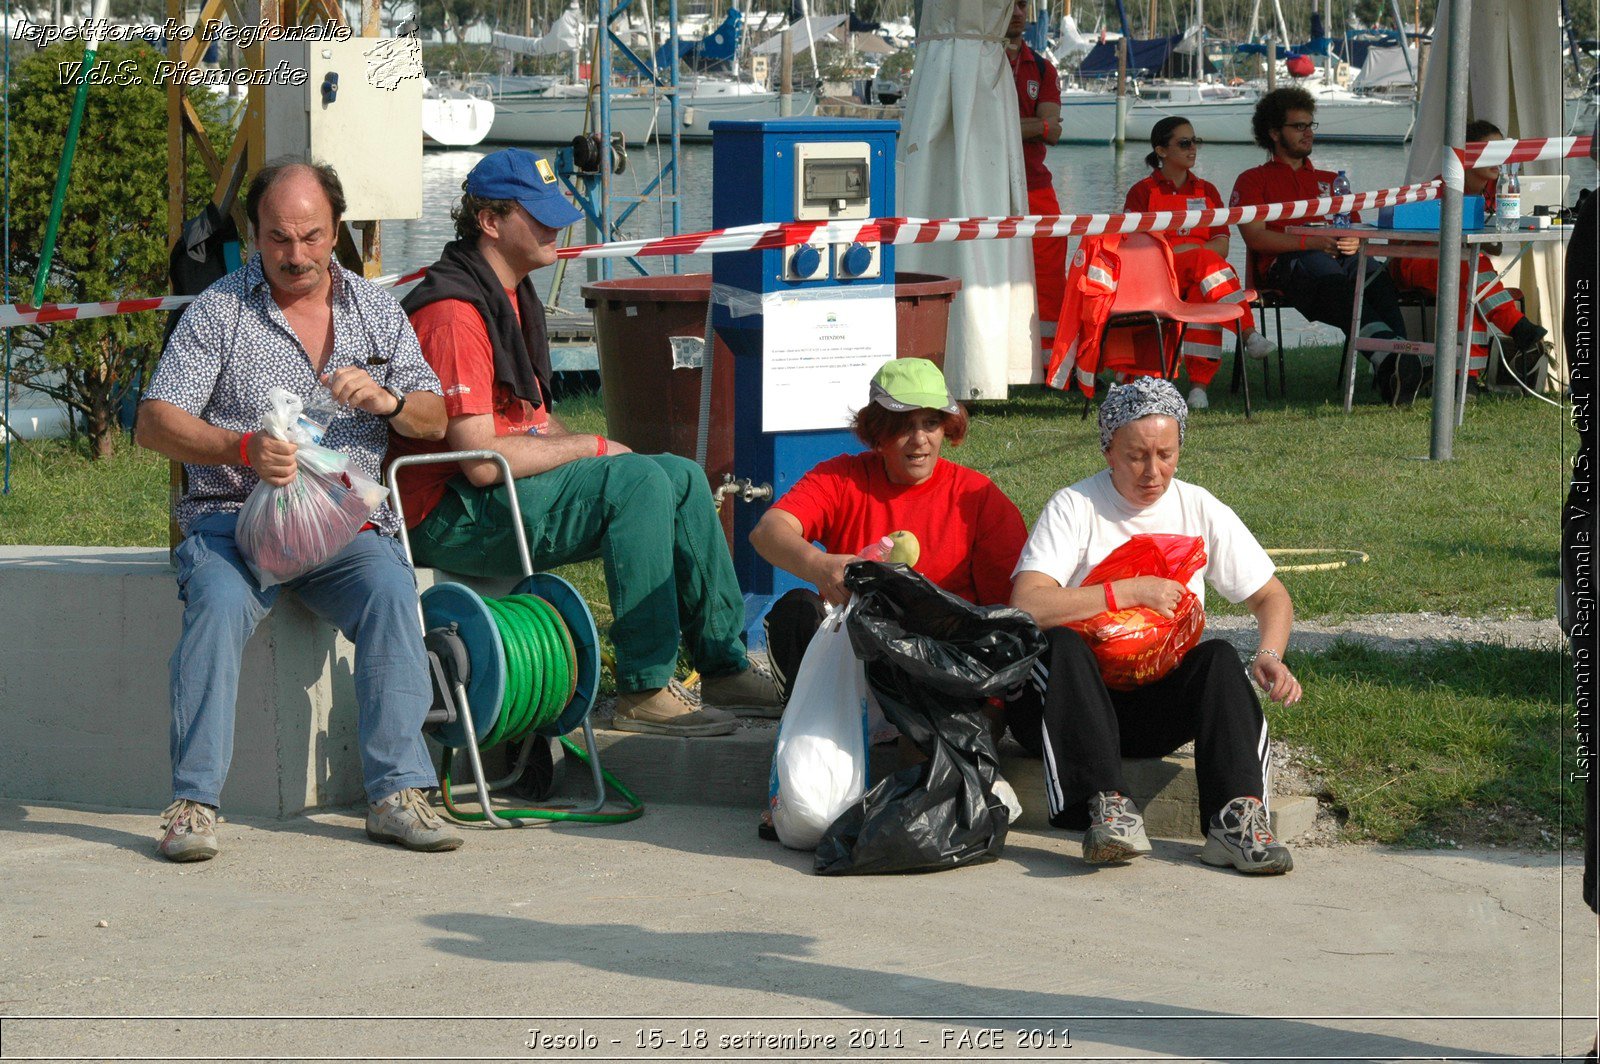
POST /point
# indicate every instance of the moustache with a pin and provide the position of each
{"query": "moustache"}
(297, 271)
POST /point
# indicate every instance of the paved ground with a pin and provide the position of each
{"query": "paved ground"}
(685, 924)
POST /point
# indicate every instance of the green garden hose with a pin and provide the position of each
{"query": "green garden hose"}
(541, 679)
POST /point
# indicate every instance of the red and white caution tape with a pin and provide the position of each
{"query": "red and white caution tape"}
(870, 231)
(1455, 162)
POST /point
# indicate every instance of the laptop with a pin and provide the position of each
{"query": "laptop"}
(1544, 190)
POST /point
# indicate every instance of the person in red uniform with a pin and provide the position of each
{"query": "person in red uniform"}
(1039, 103)
(969, 532)
(1497, 307)
(1316, 274)
(1199, 254)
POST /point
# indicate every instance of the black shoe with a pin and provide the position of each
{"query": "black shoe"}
(764, 829)
(1528, 337)
(1401, 378)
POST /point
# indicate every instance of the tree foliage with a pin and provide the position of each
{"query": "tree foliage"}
(112, 243)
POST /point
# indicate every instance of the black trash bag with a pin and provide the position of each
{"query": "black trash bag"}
(933, 660)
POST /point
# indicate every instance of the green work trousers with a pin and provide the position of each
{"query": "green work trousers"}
(651, 521)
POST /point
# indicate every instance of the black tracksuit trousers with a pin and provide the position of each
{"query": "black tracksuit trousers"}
(1088, 729)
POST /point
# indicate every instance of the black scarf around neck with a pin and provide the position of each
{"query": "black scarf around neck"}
(521, 353)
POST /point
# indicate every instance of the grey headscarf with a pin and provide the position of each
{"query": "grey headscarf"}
(1141, 397)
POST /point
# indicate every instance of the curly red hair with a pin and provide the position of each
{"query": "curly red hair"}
(874, 424)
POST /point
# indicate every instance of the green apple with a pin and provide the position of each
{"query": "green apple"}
(906, 548)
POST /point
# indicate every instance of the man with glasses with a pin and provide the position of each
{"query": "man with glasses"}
(1316, 274)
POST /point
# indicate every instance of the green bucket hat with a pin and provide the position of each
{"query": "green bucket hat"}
(903, 384)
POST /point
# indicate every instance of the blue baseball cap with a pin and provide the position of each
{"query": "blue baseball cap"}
(529, 179)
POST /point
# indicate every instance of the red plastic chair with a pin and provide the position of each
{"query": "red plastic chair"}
(1147, 297)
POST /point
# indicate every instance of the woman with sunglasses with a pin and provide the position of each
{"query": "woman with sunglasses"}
(1200, 254)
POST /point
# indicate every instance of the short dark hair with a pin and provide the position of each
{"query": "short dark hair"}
(873, 424)
(1160, 133)
(284, 165)
(465, 213)
(1481, 129)
(1272, 110)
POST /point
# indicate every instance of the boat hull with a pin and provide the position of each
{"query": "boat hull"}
(697, 113)
(556, 120)
(1088, 118)
(455, 121)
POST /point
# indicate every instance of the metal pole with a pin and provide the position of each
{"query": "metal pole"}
(1272, 65)
(1122, 90)
(1447, 322)
(786, 75)
(602, 61)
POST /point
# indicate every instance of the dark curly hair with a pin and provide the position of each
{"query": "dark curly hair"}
(1273, 108)
(277, 169)
(1160, 133)
(875, 424)
(1481, 129)
(465, 213)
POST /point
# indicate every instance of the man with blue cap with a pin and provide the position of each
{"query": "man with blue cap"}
(650, 518)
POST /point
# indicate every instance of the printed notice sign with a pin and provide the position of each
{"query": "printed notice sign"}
(819, 356)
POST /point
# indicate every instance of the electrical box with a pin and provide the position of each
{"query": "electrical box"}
(359, 110)
(813, 322)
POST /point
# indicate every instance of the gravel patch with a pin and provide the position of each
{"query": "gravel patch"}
(1400, 632)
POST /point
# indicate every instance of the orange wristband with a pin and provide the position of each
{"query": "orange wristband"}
(1111, 600)
(599, 446)
(244, 448)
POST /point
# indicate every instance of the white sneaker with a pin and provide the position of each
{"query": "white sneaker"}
(1197, 399)
(1258, 346)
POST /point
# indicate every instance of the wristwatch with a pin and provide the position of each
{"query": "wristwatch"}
(399, 403)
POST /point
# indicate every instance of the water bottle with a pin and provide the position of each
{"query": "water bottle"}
(1508, 201)
(317, 414)
(1341, 187)
(877, 552)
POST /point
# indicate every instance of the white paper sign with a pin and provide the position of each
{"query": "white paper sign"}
(819, 356)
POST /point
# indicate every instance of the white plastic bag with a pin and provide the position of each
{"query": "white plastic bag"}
(820, 766)
(284, 532)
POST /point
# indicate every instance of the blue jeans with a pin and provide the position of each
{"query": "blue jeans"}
(367, 591)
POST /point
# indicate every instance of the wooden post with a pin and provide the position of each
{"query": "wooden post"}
(1272, 64)
(1122, 90)
(786, 75)
(372, 231)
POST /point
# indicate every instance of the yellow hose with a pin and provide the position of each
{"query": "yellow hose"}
(1351, 557)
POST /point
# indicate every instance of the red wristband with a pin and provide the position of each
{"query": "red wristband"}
(599, 446)
(1111, 600)
(1303, 242)
(244, 448)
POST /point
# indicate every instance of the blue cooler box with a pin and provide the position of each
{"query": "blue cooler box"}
(1425, 215)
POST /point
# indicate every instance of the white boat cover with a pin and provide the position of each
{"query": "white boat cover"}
(961, 154)
(806, 33)
(566, 35)
(1071, 41)
(1387, 66)
(1514, 72)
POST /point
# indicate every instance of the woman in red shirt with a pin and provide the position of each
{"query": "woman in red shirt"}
(969, 532)
(1497, 304)
(1199, 254)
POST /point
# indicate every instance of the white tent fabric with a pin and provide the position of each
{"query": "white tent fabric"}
(566, 35)
(961, 154)
(1513, 80)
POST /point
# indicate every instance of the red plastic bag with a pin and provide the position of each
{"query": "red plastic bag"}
(1136, 645)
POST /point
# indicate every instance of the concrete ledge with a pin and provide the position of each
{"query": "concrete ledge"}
(86, 633)
(676, 771)
(85, 636)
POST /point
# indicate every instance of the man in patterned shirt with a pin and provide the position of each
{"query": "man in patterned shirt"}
(293, 318)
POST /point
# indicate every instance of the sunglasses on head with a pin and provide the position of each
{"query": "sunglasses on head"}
(1300, 127)
(1189, 142)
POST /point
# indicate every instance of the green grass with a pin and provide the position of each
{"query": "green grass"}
(1477, 535)
(1461, 744)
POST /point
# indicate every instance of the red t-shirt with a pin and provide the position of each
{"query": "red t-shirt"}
(455, 341)
(1036, 83)
(971, 534)
(1156, 193)
(1277, 182)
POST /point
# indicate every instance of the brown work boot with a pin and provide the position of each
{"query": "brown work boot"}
(669, 710)
(751, 693)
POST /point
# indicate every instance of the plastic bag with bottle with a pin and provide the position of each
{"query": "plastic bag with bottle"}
(286, 531)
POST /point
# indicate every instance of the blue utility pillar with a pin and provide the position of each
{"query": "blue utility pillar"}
(795, 169)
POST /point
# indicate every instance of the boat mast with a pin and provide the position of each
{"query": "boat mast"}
(1405, 51)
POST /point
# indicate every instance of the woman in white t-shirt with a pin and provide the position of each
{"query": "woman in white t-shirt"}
(1087, 728)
